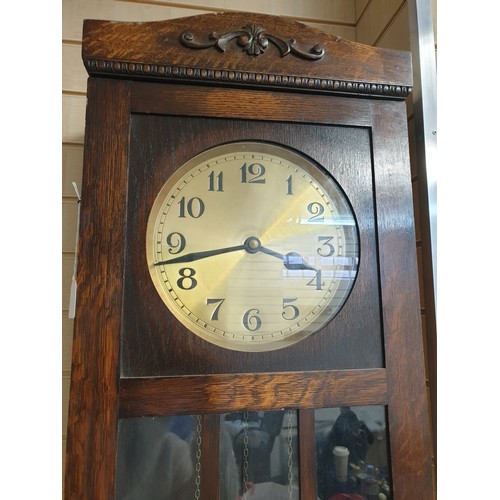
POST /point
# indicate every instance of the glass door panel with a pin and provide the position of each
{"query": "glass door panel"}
(352, 453)
(259, 456)
(156, 458)
(254, 455)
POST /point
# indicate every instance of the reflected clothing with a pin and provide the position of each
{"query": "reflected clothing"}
(350, 432)
(153, 463)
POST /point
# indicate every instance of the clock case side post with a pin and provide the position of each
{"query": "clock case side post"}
(93, 402)
(405, 367)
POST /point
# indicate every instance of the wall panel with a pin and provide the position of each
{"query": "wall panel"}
(74, 76)
(69, 220)
(396, 34)
(375, 19)
(67, 273)
(361, 5)
(75, 11)
(72, 161)
(339, 10)
(67, 336)
(344, 31)
(73, 118)
(317, 13)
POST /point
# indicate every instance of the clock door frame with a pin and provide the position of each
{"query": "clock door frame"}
(99, 395)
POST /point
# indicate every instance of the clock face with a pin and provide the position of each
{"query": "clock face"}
(252, 246)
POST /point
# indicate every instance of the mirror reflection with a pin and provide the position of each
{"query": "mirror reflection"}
(259, 455)
(351, 453)
(155, 458)
(159, 458)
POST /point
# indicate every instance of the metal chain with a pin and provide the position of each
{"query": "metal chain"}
(245, 456)
(198, 458)
(290, 455)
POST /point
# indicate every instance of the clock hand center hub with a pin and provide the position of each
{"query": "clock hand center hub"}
(252, 244)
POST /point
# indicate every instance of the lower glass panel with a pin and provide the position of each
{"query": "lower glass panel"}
(155, 458)
(259, 456)
(352, 453)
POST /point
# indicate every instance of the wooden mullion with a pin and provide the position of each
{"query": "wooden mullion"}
(307, 455)
(210, 456)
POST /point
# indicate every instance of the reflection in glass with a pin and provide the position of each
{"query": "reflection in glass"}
(260, 461)
(155, 458)
(160, 457)
(351, 453)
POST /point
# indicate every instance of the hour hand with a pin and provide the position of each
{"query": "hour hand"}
(292, 260)
(295, 262)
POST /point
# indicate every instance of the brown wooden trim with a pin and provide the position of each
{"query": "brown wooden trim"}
(307, 454)
(176, 73)
(93, 402)
(210, 456)
(410, 439)
(251, 391)
(192, 100)
(154, 51)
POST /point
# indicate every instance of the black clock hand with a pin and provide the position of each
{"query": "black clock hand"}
(292, 260)
(190, 257)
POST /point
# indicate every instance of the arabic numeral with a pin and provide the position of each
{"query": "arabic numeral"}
(253, 173)
(290, 312)
(215, 182)
(326, 249)
(316, 281)
(251, 321)
(316, 210)
(215, 313)
(176, 242)
(194, 207)
(187, 280)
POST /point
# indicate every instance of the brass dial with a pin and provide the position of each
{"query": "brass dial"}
(252, 246)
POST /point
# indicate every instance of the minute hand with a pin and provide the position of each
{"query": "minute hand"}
(190, 257)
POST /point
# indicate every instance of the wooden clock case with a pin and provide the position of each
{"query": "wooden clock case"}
(160, 93)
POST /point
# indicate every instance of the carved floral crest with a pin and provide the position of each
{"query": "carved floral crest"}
(254, 40)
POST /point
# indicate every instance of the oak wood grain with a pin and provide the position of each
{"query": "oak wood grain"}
(410, 436)
(154, 50)
(93, 405)
(250, 391)
(191, 100)
(307, 454)
(209, 459)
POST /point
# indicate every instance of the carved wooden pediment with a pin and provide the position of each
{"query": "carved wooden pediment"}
(263, 51)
